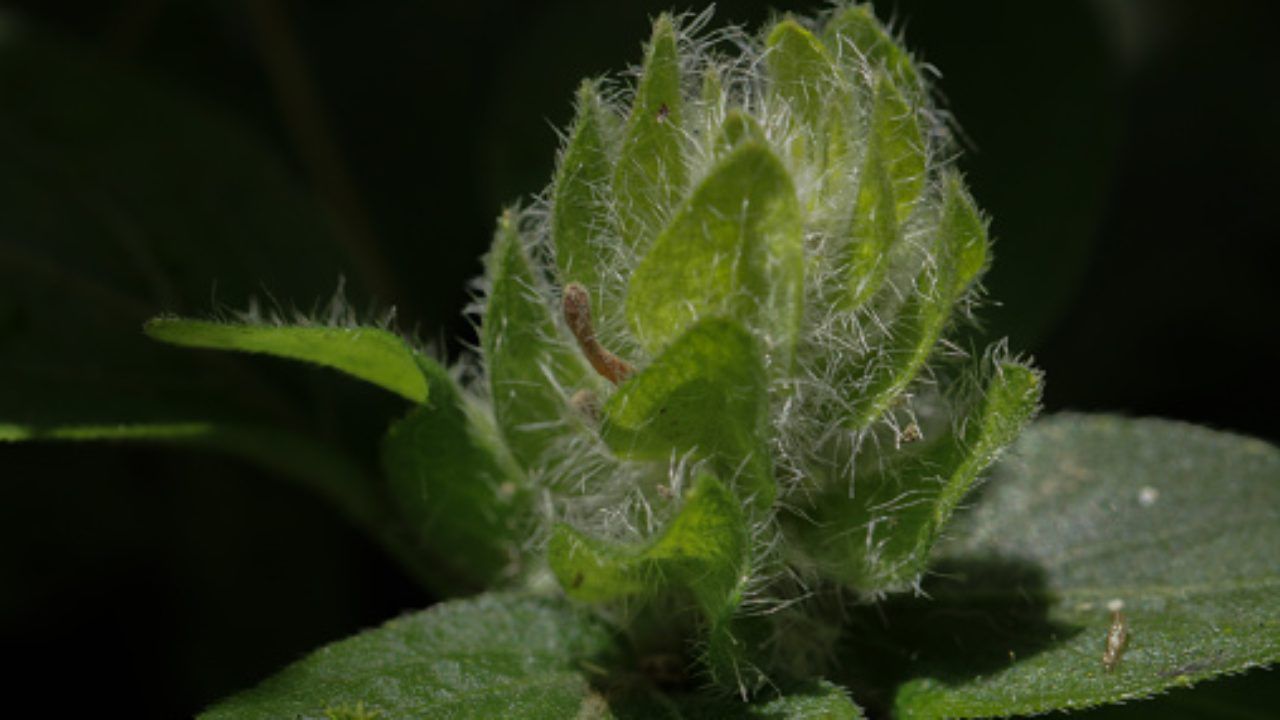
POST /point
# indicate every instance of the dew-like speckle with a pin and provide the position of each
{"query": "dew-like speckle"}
(1147, 496)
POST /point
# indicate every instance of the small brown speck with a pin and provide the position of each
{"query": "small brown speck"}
(663, 112)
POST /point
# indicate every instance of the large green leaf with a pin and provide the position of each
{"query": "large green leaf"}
(703, 549)
(533, 369)
(450, 477)
(369, 353)
(1176, 525)
(650, 175)
(491, 657)
(735, 249)
(707, 394)
(121, 197)
(498, 656)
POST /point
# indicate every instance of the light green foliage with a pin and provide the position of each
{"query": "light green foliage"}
(581, 205)
(879, 535)
(461, 497)
(734, 249)
(706, 394)
(532, 370)
(651, 171)
(371, 354)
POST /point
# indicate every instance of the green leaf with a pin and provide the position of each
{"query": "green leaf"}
(735, 249)
(1177, 523)
(959, 257)
(532, 369)
(580, 213)
(703, 550)
(878, 537)
(801, 71)
(737, 128)
(465, 502)
(371, 354)
(893, 175)
(708, 393)
(854, 34)
(494, 656)
(651, 173)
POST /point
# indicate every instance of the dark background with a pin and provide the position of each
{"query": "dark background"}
(1126, 150)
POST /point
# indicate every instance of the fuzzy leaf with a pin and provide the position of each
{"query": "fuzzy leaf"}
(735, 249)
(737, 128)
(371, 354)
(879, 538)
(651, 173)
(580, 213)
(463, 499)
(801, 71)
(707, 393)
(959, 257)
(532, 368)
(703, 550)
(1177, 523)
(854, 34)
(893, 174)
(495, 656)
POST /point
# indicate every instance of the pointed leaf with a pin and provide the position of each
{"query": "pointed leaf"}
(495, 656)
(737, 128)
(878, 538)
(854, 35)
(735, 249)
(1175, 525)
(707, 393)
(533, 369)
(801, 71)
(651, 172)
(463, 499)
(893, 174)
(703, 550)
(580, 214)
(960, 256)
(371, 354)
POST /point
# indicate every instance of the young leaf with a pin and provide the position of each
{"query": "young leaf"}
(494, 656)
(371, 354)
(893, 174)
(707, 394)
(854, 34)
(735, 249)
(461, 496)
(960, 256)
(581, 205)
(878, 538)
(533, 370)
(703, 550)
(1172, 525)
(651, 172)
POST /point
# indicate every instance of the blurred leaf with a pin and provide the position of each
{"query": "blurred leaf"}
(462, 497)
(734, 249)
(1178, 524)
(855, 33)
(121, 198)
(708, 394)
(371, 354)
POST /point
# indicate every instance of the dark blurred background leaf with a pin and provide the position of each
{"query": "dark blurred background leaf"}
(163, 150)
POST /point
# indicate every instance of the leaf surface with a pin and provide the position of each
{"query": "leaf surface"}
(735, 249)
(1177, 525)
(707, 394)
(451, 480)
(371, 354)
